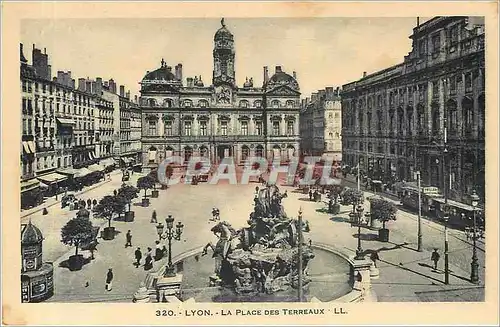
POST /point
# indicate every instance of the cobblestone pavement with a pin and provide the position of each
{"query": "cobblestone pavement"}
(405, 274)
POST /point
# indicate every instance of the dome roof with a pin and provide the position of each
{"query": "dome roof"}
(164, 73)
(223, 32)
(31, 234)
(281, 78)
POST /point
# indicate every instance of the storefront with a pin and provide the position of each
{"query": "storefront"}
(54, 182)
(31, 195)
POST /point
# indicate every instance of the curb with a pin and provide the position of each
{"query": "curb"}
(59, 201)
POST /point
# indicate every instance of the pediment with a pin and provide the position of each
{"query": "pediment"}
(283, 90)
(168, 117)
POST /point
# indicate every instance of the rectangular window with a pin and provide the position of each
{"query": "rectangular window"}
(436, 44)
(421, 48)
(289, 128)
(168, 128)
(223, 128)
(453, 84)
(276, 128)
(435, 88)
(258, 128)
(25, 107)
(244, 128)
(187, 128)
(24, 86)
(203, 128)
(152, 127)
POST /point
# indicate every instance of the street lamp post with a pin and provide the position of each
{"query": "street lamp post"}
(446, 262)
(170, 234)
(419, 234)
(359, 250)
(301, 240)
(474, 274)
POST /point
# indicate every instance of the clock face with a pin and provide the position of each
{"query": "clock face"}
(30, 264)
(224, 95)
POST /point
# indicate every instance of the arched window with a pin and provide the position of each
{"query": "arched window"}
(188, 103)
(275, 104)
(451, 107)
(243, 104)
(391, 120)
(245, 152)
(152, 102)
(401, 121)
(257, 103)
(289, 104)
(468, 116)
(409, 120)
(436, 119)
(203, 103)
(152, 154)
(420, 119)
(167, 103)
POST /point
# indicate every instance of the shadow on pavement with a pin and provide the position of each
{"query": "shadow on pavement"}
(400, 266)
(322, 210)
(65, 263)
(366, 237)
(305, 199)
(404, 245)
(339, 219)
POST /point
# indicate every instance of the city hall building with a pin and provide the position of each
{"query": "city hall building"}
(405, 118)
(219, 120)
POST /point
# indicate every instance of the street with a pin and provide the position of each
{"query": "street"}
(405, 274)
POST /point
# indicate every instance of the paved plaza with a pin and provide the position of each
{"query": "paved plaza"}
(405, 274)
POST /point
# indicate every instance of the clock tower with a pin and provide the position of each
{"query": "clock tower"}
(223, 73)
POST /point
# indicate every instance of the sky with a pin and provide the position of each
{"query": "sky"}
(323, 51)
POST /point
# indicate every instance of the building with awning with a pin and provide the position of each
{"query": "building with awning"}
(82, 172)
(52, 178)
(68, 171)
(29, 185)
(29, 147)
(65, 121)
(96, 168)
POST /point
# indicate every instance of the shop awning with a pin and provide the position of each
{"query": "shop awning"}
(52, 178)
(68, 171)
(26, 148)
(65, 121)
(96, 167)
(456, 204)
(32, 147)
(125, 160)
(82, 172)
(107, 162)
(29, 185)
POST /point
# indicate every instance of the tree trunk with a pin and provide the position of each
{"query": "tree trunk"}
(109, 221)
(383, 224)
(76, 249)
(145, 190)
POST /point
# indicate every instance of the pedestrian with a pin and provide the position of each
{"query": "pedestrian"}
(94, 202)
(93, 248)
(109, 280)
(148, 262)
(164, 250)
(89, 203)
(158, 251)
(435, 258)
(128, 237)
(374, 257)
(138, 257)
(310, 195)
(153, 217)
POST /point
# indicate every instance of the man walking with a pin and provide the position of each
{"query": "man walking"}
(128, 236)
(109, 280)
(310, 195)
(138, 257)
(435, 258)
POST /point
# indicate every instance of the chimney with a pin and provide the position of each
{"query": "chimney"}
(364, 74)
(88, 86)
(68, 78)
(60, 77)
(49, 71)
(81, 84)
(337, 91)
(112, 86)
(266, 75)
(294, 75)
(178, 72)
(44, 51)
(135, 98)
(73, 83)
(127, 95)
(278, 69)
(122, 91)
(189, 82)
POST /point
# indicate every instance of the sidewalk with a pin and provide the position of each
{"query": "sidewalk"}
(405, 274)
(49, 202)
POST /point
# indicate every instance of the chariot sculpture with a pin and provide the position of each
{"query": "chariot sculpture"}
(263, 257)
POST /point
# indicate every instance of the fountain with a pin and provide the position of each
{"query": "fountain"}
(262, 258)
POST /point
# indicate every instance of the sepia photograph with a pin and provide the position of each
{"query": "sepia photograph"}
(220, 167)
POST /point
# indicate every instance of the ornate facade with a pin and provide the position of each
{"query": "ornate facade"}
(222, 119)
(321, 124)
(394, 120)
